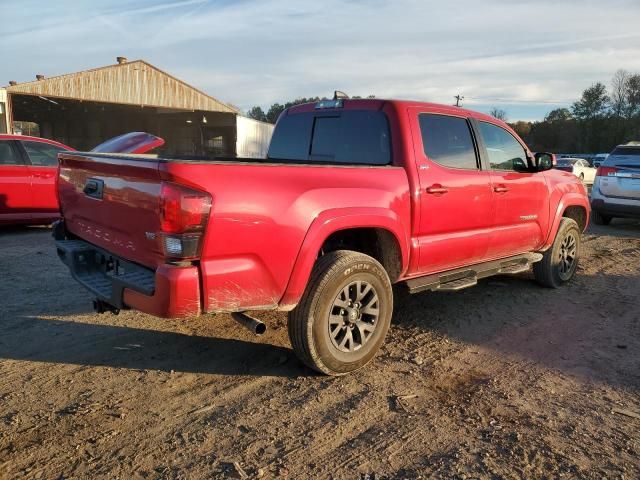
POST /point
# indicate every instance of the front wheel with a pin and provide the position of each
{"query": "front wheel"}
(559, 263)
(344, 314)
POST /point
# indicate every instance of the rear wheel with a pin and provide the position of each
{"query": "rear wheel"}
(600, 219)
(344, 314)
(559, 263)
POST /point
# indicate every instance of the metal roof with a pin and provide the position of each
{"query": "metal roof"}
(132, 83)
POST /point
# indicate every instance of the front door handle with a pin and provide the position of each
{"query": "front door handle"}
(437, 189)
(500, 189)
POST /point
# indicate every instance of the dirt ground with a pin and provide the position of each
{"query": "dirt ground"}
(504, 380)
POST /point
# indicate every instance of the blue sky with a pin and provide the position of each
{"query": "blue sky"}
(524, 56)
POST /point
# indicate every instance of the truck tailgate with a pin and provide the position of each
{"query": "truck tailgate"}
(113, 202)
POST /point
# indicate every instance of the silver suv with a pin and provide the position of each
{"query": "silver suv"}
(616, 190)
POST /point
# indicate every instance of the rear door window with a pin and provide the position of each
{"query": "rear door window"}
(447, 141)
(354, 137)
(9, 154)
(42, 154)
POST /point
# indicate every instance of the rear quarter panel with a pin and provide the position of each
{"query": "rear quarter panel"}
(263, 214)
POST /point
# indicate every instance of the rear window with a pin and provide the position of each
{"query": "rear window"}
(626, 151)
(346, 137)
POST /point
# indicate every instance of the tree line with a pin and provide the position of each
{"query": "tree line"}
(276, 109)
(597, 122)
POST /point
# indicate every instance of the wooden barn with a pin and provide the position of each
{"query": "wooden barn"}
(86, 108)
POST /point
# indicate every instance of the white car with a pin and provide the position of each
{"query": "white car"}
(579, 167)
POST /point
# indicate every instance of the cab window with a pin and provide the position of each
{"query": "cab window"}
(8, 154)
(504, 151)
(42, 154)
(447, 141)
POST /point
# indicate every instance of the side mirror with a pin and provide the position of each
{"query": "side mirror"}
(543, 161)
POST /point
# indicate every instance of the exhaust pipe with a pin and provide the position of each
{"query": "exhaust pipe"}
(254, 325)
(102, 307)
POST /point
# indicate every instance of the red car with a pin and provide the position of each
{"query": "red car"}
(355, 195)
(28, 167)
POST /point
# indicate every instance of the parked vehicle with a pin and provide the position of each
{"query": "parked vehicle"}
(616, 191)
(579, 167)
(599, 159)
(28, 167)
(355, 195)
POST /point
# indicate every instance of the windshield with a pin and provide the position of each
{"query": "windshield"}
(359, 137)
(566, 163)
(626, 151)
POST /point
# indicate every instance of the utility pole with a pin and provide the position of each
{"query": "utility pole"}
(458, 98)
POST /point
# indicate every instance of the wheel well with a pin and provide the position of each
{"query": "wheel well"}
(579, 214)
(375, 242)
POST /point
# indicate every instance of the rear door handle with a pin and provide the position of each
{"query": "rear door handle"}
(500, 189)
(437, 189)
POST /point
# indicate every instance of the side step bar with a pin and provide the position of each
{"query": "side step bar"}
(468, 276)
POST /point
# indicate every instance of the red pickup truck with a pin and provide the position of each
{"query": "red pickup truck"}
(355, 195)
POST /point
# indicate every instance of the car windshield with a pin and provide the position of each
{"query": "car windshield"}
(626, 151)
(564, 162)
(629, 156)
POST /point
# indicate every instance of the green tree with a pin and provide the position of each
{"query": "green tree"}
(558, 115)
(277, 108)
(257, 114)
(633, 96)
(274, 112)
(593, 103)
(591, 111)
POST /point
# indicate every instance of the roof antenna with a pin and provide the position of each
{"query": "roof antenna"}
(337, 94)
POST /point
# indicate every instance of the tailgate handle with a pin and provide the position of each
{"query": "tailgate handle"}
(93, 188)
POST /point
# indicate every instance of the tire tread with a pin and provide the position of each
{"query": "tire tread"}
(298, 323)
(543, 270)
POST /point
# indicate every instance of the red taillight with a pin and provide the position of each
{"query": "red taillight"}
(605, 171)
(183, 209)
(183, 217)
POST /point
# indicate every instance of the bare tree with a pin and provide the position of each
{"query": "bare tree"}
(499, 114)
(619, 92)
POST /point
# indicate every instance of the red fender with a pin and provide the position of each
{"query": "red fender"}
(573, 199)
(329, 222)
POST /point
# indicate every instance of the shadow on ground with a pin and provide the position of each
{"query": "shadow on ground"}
(78, 343)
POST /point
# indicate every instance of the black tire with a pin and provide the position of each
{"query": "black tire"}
(600, 219)
(330, 299)
(560, 262)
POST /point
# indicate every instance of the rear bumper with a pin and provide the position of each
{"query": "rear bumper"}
(620, 208)
(169, 291)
